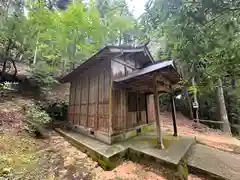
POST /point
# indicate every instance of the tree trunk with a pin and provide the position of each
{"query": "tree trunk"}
(157, 114)
(35, 53)
(222, 108)
(189, 104)
(195, 101)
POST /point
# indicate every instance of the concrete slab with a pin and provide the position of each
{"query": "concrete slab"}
(97, 146)
(142, 145)
(204, 159)
(222, 165)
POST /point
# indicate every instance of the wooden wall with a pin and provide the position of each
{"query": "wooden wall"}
(95, 105)
(119, 110)
(150, 108)
(123, 66)
(89, 98)
(121, 117)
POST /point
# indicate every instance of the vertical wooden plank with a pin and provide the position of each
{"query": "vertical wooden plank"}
(125, 109)
(157, 112)
(118, 110)
(92, 102)
(80, 100)
(120, 121)
(138, 113)
(70, 103)
(84, 102)
(110, 109)
(97, 101)
(88, 93)
(108, 101)
(76, 103)
(151, 108)
(114, 109)
(146, 100)
(100, 100)
(74, 100)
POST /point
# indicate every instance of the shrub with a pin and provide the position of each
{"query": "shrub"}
(36, 119)
(58, 111)
(42, 76)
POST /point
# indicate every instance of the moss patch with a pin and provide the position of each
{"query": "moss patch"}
(147, 128)
(167, 140)
(131, 134)
(183, 169)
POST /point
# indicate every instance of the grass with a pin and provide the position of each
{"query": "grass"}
(17, 153)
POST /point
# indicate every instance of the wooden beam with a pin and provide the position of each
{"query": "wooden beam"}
(124, 63)
(157, 114)
(174, 115)
(164, 80)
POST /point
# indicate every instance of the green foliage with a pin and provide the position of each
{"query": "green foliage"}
(58, 111)
(203, 37)
(119, 23)
(42, 75)
(55, 41)
(197, 30)
(36, 118)
(66, 38)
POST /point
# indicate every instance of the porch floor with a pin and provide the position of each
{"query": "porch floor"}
(142, 145)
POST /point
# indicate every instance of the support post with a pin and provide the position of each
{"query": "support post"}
(157, 114)
(174, 115)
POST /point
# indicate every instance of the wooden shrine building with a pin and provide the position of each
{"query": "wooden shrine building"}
(111, 94)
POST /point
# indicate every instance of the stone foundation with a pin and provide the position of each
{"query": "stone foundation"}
(110, 139)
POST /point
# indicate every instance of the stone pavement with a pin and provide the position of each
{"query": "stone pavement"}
(221, 164)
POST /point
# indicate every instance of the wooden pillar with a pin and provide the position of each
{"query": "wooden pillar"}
(173, 114)
(157, 114)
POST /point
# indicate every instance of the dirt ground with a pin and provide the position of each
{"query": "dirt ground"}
(204, 135)
(28, 158)
(24, 157)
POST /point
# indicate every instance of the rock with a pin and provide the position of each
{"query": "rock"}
(6, 171)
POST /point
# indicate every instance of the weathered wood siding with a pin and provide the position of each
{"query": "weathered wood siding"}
(140, 116)
(89, 98)
(119, 110)
(122, 119)
(150, 108)
(123, 66)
